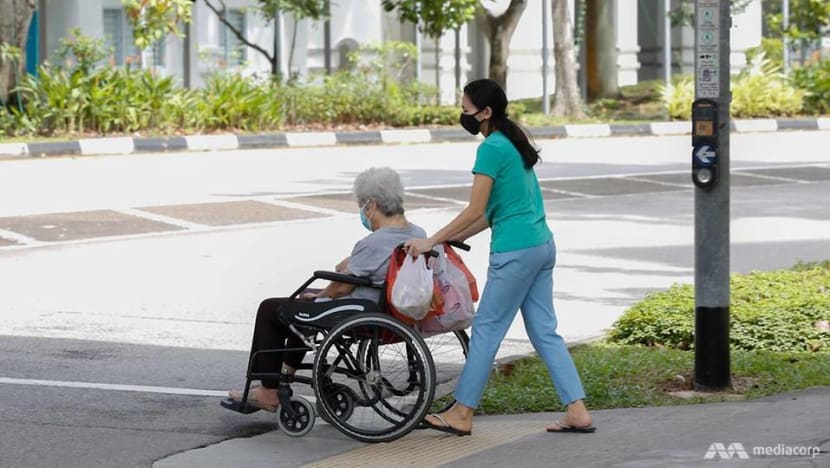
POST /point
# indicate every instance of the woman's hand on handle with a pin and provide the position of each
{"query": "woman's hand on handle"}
(417, 247)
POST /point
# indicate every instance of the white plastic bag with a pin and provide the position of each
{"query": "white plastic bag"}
(459, 308)
(412, 291)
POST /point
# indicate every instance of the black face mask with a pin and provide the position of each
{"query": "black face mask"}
(470, 123)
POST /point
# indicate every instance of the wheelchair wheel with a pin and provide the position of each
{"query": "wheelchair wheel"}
(301, 424)
(341, 400)
(386, 366)
(449, 353)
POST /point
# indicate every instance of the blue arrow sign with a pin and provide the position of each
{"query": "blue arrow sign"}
(705, 155)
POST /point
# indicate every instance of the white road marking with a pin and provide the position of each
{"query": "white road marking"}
(769, 177)
(568, 193)
(441, 199)
(299, 206)
(160, 218)
(115, 387)
(657, 182)
(198, 392)
(19, 238)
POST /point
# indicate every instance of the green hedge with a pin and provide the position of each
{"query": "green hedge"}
(761, 91)
(112, 100)
(79, 95)
(814, 78)
(773, 311)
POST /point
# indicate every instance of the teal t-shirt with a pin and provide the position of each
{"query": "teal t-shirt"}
(515, 210)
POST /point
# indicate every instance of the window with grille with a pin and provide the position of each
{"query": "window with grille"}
(233, 48)
(118, 35)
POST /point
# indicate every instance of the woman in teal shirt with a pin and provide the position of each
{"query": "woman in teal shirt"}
(506, 197)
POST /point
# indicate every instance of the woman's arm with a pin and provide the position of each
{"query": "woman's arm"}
(469, 217)
(477, 226)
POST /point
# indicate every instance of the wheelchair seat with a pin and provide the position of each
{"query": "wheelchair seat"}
(326, 315)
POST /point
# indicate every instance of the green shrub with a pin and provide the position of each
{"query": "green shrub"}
(678, 99)
(771, 48)
(761, 90)
(814, 78)
(774, 311)
(80, 96)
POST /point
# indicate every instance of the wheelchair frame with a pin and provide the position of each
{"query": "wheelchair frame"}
(323, 331)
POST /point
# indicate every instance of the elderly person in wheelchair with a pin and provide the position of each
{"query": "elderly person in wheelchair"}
(379, 194)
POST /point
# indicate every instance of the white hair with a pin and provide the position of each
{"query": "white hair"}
(384, 186)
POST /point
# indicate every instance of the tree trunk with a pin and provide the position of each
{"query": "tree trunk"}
(499, 30)
(601, 47)
(272, 59)
(15, 17)
(567, 99)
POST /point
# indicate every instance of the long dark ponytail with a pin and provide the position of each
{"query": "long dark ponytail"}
(487, 93)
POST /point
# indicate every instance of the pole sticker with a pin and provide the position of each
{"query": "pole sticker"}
(707, 52)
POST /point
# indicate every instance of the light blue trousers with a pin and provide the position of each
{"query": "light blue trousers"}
(520, 279)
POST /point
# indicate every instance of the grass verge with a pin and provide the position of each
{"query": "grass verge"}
(619, 376)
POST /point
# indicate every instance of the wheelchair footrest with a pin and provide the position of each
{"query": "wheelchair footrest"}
(238, 406)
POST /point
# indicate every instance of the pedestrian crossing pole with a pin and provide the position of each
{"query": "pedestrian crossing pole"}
(710, 174)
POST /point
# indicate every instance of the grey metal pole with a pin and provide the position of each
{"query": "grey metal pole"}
(278, 41)
(418, 61)
(667, 43)
(438, 68)
(457, 63)
(327, 46)
(186, 46)
(785, 14)
(545, 54)
(327, 39)
(712, 78)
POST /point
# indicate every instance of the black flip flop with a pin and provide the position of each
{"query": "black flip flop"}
(445, 427)
(573, 429)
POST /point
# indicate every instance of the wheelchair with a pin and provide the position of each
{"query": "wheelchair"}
(374, 377)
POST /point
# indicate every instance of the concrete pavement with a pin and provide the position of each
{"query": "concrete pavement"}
(789, 430)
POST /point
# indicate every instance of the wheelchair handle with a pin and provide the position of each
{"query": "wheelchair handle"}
(431, 253)
(459, 245)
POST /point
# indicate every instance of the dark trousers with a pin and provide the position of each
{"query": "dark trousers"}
(271, 333)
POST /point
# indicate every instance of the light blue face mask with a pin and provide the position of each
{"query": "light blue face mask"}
(363, 219)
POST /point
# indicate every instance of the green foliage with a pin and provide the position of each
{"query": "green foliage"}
(771, 49)
(761, 90)
(151, 20)
(807, 19)
(774, 311)
(105, 100)
(434, 17)
(112, 100)
(300, 9)
(82, 51)
(9, 53)
(679, 97)
(814, 78)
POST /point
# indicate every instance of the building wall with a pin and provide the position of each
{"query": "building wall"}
(745, 33)
(354, 22)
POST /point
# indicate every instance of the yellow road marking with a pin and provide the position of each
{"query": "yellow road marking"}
(427, 448)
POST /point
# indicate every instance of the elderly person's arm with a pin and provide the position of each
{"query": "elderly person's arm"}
(342, 267)
(336, 289)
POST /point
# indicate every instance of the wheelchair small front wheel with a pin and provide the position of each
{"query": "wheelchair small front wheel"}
(302, 422)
